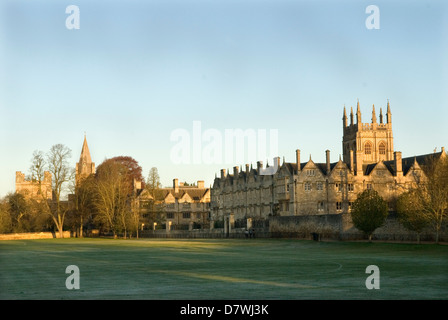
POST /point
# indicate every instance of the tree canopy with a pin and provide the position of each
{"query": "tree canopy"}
(133, 169)
(410, 212)
(431, 191)
(369, 212)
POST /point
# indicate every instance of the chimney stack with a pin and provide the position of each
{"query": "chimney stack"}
(236, 171)
(259, 166)
(298, 159)
(398, 164)
(200, 184)
(223, 173)
(328, 161)
(176, 185)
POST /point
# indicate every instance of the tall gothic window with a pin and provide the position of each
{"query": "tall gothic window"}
(368, 148)
(382, 148)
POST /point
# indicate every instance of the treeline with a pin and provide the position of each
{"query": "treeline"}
(422, 206)
(106, 200)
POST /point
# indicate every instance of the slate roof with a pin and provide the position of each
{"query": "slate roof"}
(407, 164)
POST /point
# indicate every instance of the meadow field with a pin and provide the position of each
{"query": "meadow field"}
(212, 269)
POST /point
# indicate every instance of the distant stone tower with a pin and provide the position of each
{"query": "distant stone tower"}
(365, 143)
(85, 166)
(32, 188)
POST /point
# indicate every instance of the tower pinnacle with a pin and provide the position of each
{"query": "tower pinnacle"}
(388, 114)
(344, 118)
(351, 115)
(358, 114)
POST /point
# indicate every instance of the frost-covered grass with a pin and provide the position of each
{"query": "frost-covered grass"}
(220, 269)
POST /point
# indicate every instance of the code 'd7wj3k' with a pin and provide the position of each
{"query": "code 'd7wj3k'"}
(250, 310)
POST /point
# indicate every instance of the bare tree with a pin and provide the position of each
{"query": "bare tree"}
(135, 214)
(83, 200)
(37, 168)
(155, 206)
(58, 166)
(111, 196)
(5, 216)
(153, 182)
(431, 191)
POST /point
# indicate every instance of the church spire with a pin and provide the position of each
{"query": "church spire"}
(85, 153)
(85, 166)
(381, 116)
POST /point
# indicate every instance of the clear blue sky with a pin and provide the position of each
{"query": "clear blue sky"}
(136, 71)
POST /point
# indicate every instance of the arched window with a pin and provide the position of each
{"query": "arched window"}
(368, 148)
(382, 148)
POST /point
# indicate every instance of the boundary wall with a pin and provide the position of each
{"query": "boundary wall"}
(33, 235)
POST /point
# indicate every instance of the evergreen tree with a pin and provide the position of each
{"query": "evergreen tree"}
(369, 212)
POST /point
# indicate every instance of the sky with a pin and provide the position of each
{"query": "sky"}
(155, 79)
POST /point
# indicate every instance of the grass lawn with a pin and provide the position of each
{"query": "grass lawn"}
(220, 269)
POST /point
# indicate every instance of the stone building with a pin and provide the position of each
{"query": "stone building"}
(303, 188)
(34, 189)
(180, 207)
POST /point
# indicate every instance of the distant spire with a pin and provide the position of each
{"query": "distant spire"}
(85, 166)
(85, 153)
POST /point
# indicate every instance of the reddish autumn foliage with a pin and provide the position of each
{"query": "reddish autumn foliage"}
(134, 170)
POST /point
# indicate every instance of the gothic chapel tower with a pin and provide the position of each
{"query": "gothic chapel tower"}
(365, 143)
(85, 166)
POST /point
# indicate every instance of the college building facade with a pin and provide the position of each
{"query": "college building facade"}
(180, 207)
(309, 188)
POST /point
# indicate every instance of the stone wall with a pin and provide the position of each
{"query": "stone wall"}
(219, 233)
(317, 227)
(340, 227)
(33, 235)
(327, 226)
